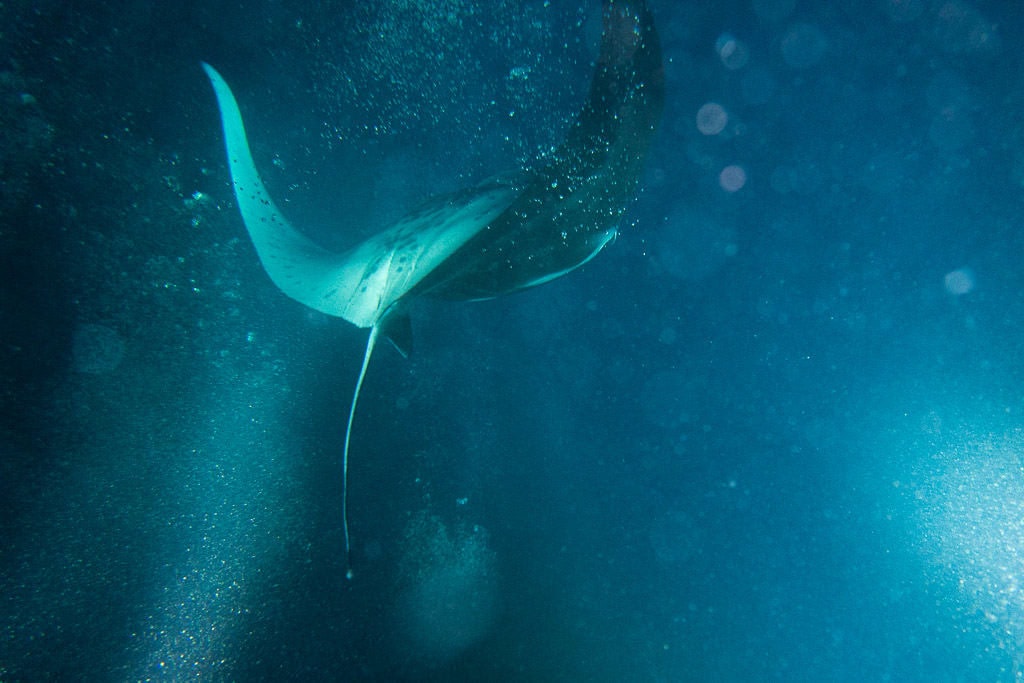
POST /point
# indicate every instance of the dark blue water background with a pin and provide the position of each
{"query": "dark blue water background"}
(773, 432)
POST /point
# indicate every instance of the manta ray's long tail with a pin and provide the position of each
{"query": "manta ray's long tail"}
(370, 343)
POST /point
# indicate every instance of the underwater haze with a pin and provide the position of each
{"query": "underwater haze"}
(774, 431)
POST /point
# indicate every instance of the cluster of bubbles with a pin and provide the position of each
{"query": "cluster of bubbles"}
(448, 596)
(972, 524)
(410, 65)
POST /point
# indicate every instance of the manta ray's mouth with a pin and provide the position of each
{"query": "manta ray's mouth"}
(498, 237)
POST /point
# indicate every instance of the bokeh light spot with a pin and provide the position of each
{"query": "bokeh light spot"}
(732, 178)
(733, 53)
(959, 281)
(712, 118)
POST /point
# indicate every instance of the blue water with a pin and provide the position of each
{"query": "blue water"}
(773, 432)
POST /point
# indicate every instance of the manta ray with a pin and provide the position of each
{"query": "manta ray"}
(506, 234)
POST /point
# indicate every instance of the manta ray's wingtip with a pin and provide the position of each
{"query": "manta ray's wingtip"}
(212, 73)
